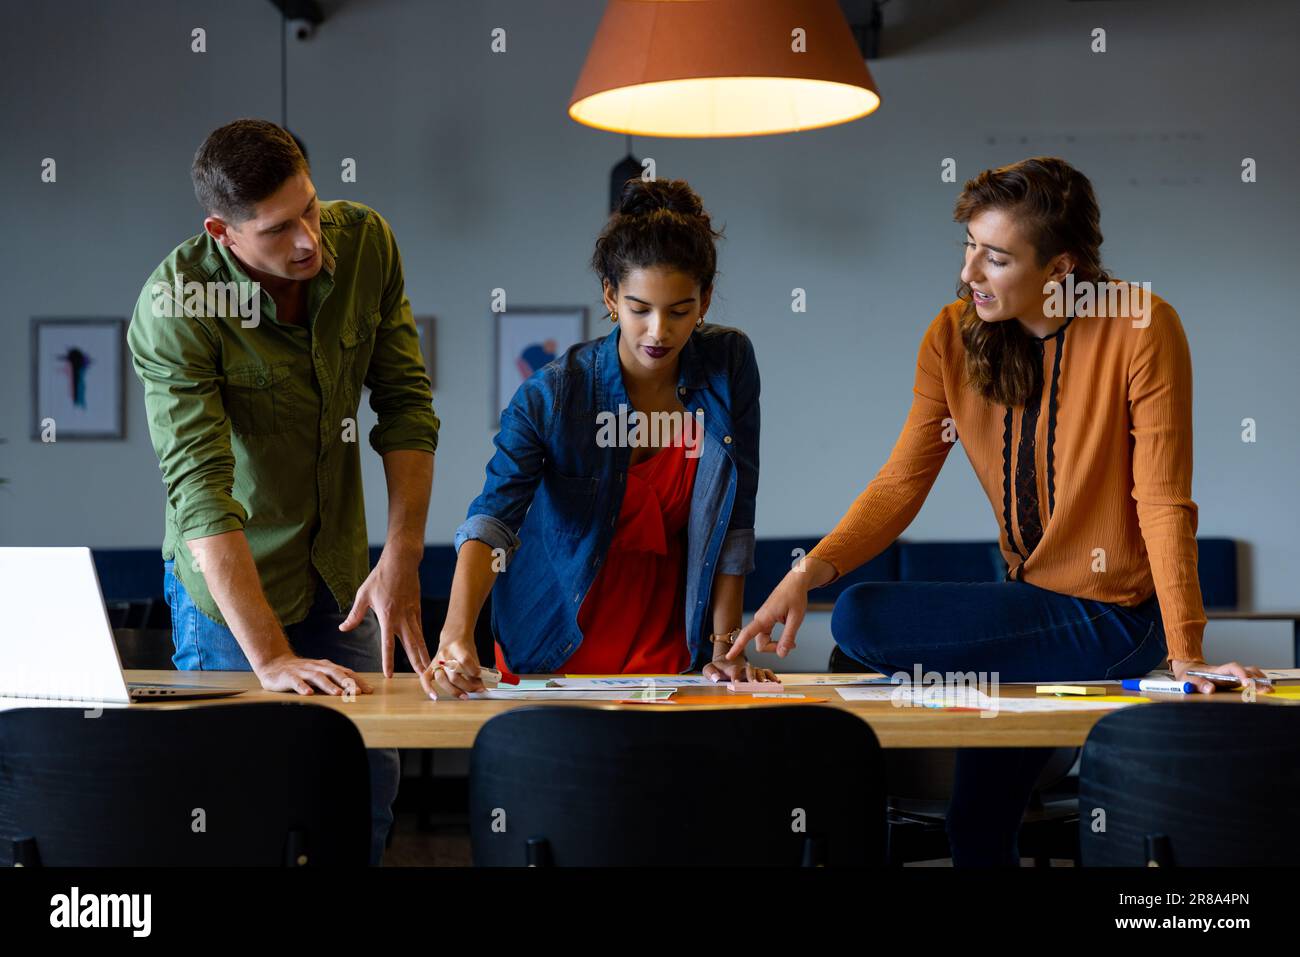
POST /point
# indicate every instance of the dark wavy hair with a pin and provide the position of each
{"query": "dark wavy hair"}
(1057, 210)
(241, 164)
(657, 223)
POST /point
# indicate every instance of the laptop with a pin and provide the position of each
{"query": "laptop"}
(55, 639)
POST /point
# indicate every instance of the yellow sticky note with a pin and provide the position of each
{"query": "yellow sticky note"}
(1289, 694)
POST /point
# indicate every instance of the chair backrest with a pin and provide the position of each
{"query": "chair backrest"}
(785, 785)
(248, 784)
(1191, 784)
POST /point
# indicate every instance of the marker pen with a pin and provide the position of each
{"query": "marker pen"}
(1158, 684)
(1219, 677)
(486, 675)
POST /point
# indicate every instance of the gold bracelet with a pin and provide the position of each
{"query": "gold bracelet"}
(729, 638)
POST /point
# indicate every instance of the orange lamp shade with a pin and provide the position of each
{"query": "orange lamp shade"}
(705, 68)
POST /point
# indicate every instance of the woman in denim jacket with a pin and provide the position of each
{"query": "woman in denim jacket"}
(616, 524)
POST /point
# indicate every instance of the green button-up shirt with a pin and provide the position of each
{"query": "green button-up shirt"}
(254, 420)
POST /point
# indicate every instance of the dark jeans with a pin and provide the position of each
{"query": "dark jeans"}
(203, 645)
(1020, 633)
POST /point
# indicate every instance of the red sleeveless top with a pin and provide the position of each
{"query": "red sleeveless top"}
(633, 619)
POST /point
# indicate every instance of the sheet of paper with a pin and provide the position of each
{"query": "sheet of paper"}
(1277, 674)
(568, 694)
(599, 682)
(742, 699)
(1100, 703)
(528, 684)
(834, 681)
(534, 687)
(8, 704)
(938, 696)
(858, 693)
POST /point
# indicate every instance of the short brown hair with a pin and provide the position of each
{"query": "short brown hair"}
(242, 163)
(1058, 211)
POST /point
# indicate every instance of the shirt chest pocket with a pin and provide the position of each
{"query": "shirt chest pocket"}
(258, 399)
(356, 345)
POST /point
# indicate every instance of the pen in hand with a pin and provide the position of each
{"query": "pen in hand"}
(489, 676)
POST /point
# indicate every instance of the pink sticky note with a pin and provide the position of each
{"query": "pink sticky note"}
(751, 686)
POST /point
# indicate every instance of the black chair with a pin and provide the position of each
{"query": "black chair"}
(254, 784)
(920, 787)
(1191, 784)
(787, 785)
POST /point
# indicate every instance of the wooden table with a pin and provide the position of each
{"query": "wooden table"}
(399, 715)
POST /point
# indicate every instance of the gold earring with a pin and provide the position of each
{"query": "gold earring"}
(613, 315)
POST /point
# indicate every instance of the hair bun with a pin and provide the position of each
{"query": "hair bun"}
(642, 197)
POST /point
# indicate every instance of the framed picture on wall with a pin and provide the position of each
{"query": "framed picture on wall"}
(78, 378)
(527, 338)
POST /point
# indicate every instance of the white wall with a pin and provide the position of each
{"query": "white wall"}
(487, 183)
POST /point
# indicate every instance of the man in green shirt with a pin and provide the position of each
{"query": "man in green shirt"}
(253, 340)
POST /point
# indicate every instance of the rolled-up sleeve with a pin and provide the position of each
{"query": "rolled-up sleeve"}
(400, 392)
(176, 359)
(514, 470)
(737, 554)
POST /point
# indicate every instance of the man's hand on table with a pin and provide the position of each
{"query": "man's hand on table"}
(393, 589)
(306, 676)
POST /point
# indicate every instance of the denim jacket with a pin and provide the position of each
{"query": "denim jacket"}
(552, 496)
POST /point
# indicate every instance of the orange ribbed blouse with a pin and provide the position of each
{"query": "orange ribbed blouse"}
(1090, 481)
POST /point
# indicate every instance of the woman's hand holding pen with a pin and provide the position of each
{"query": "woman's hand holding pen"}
(454, 669)
(1242, 673)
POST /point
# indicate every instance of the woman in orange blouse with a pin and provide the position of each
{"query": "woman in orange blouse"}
(1072, 397)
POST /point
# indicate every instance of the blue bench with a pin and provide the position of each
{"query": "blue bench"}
(905, 561)
(135, 574)
(982, 562)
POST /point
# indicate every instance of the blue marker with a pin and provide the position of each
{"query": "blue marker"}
(1158, 684)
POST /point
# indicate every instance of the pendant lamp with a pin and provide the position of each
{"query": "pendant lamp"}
(712, 68)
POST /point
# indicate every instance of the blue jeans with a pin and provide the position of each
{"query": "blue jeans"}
(1021, 633)
(203, 645)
